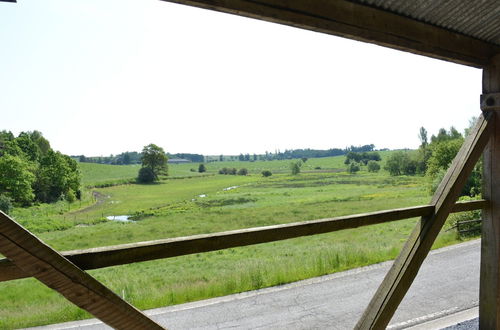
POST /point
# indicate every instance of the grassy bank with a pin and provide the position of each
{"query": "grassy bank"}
(196, 205)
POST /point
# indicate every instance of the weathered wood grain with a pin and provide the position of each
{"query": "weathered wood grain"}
(489, 287)
(144, 251)
(363, 23)
(405, 268)
(42, 262)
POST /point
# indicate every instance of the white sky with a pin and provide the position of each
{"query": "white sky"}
(100, 77)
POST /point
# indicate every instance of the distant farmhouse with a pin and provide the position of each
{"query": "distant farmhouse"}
(178, 161)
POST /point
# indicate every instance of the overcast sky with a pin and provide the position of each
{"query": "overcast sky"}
(100, 77)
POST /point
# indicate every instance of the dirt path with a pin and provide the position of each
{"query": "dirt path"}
(98, 197)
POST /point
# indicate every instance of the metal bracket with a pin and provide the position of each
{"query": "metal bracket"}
(490, 102)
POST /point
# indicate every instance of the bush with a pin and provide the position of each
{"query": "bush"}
(295, 167)
(5, 204)
(266, 173)
(202, 168)
(146, 175)
(373, 166)
(243, 171)
(353, 168)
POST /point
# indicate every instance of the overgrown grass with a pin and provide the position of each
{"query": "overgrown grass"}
(201, 204)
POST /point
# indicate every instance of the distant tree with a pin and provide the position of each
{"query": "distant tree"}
(224, 170)
(57, 177)
(247, 157)
(266, 173)
(82, 159)
(16, 179)
(422, 135)
(146, 175)
(295, 167)
(232, 171)
(304, 159)
(5, 204)
(221, 158)
(243, 171)
(353, 168)
(202, 168)
(254, 157)
(400, 163)
(154, 158)
(241, 158)
(373, 166)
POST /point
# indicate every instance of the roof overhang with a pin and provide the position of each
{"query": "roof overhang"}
(367, 23)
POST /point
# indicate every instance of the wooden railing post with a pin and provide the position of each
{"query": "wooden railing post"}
(405, 268)
(489, 288)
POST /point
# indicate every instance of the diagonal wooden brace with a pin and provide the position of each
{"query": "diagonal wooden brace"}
(39, 260)
(406, 266)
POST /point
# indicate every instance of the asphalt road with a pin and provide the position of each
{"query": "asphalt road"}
(448, 282)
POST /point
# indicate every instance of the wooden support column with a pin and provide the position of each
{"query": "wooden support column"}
(489, 288)
(39, 260)
(405, 268)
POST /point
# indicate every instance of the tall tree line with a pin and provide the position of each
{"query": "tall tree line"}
(31, 171)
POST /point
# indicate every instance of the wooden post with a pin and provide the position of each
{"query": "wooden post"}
(489, 288)
(51, 268)
(405, 268)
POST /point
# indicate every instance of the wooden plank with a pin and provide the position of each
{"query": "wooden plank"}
(363, 23)
(168, 248)
(42, 262)
(405, 268)
(489, 287)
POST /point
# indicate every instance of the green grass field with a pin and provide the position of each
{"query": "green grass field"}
(194, 204)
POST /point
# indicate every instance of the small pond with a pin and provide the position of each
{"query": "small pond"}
(120, 218)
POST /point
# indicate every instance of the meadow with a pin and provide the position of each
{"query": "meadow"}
(190, 203)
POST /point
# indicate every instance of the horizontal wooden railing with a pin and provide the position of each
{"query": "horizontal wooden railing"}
(167, 248)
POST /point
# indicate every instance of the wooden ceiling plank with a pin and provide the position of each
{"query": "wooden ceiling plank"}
(363, 23)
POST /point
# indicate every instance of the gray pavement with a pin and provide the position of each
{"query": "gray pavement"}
(448, 283)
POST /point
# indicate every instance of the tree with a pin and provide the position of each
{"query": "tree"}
(373, 166)
(266, 173)
(5, 204)
(146, 175)
(16, 179)
(202, 168)
(154, 158)
(422, 135)
(243, 171)
(57, 177)
(353, 168)
(295, 167)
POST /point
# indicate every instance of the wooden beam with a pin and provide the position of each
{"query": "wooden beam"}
(42, 262)
(168, 248)
(363, 23)
(405, 268)
(489, 287)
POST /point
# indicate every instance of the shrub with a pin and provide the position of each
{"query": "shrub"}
(146, 175)
(5, 204)
(295, 167)
(232, 171)
(266, 173)
(202, 168)
(243, 171)
(223, 170)
(353, 168)
(373, 166)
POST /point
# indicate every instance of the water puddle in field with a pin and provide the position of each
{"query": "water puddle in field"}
(120, 218)
(230, 188)
(202, 195)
